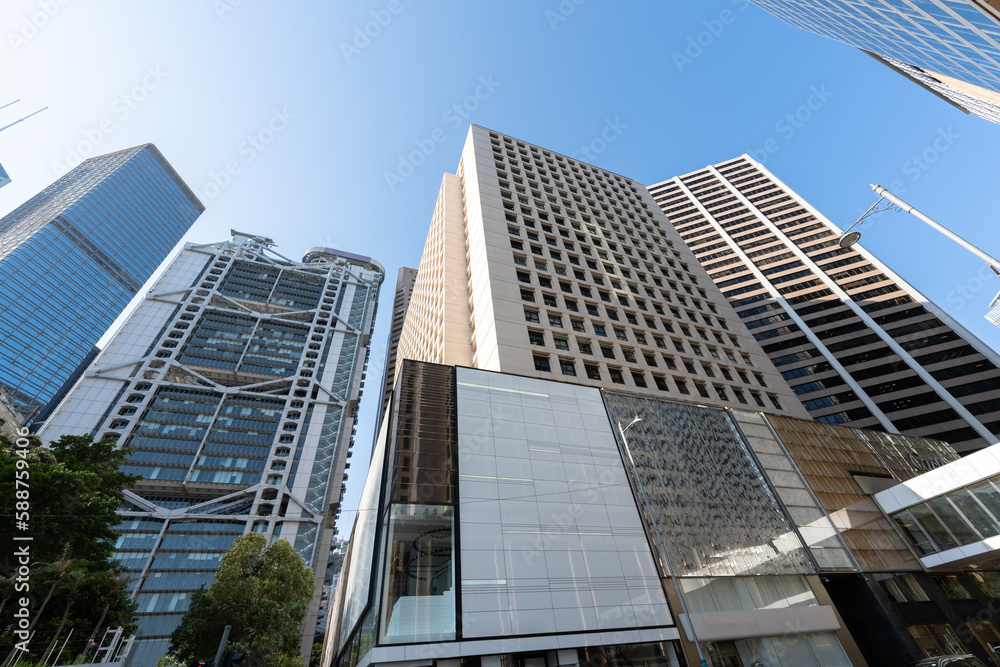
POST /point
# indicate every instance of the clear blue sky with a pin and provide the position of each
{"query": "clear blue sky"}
(199, 78)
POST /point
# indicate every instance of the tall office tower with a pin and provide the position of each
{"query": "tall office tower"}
(541, 265)
(74, 255)
(404, 291)
(236, 382)
(950, 47)
(856, 342)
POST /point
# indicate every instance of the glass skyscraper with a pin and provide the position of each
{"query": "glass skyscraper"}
(236, 382)
(949, 46)
(74, 255)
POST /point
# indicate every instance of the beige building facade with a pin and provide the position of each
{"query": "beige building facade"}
(540, 265)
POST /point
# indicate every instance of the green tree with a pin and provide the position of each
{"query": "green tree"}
(262, 592)
(75, 486)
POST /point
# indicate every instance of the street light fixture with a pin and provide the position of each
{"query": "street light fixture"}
(659, 538)
(849, 238)
(893, 203)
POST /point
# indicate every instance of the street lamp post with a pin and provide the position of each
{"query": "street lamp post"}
(659, 538)
(849, 238)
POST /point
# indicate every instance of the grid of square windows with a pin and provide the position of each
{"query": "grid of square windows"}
(598, 250)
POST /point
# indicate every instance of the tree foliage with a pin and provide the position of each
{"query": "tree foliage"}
(262, 592)
(74, 489)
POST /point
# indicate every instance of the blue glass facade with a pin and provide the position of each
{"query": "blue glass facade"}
(73, 256)
(952, 37)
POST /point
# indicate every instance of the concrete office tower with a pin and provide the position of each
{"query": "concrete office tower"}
(541, 265)
(405, 279)
(237, 383)
(74, 255)
(949, 47)
(510, 520)
(856, 342)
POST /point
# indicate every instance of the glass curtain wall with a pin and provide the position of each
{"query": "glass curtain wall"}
(418, 588)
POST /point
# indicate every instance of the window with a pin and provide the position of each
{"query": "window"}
(739, 396)
(560, 343)
(760, 379)
(584, 346)
(599, 330)
(629, 356)
(616, 376)
(702, 389)
(638, 379)
(524, 277)
(542, 363)
(544, 282)
(527, 295)
(567, 367)
(571, 305)
(620, 334)
(774, 401)
(536, 338)
(556, 320)
(550, 300)
(593, 372)
(531, 315)
(608, 352)
(682, 386)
